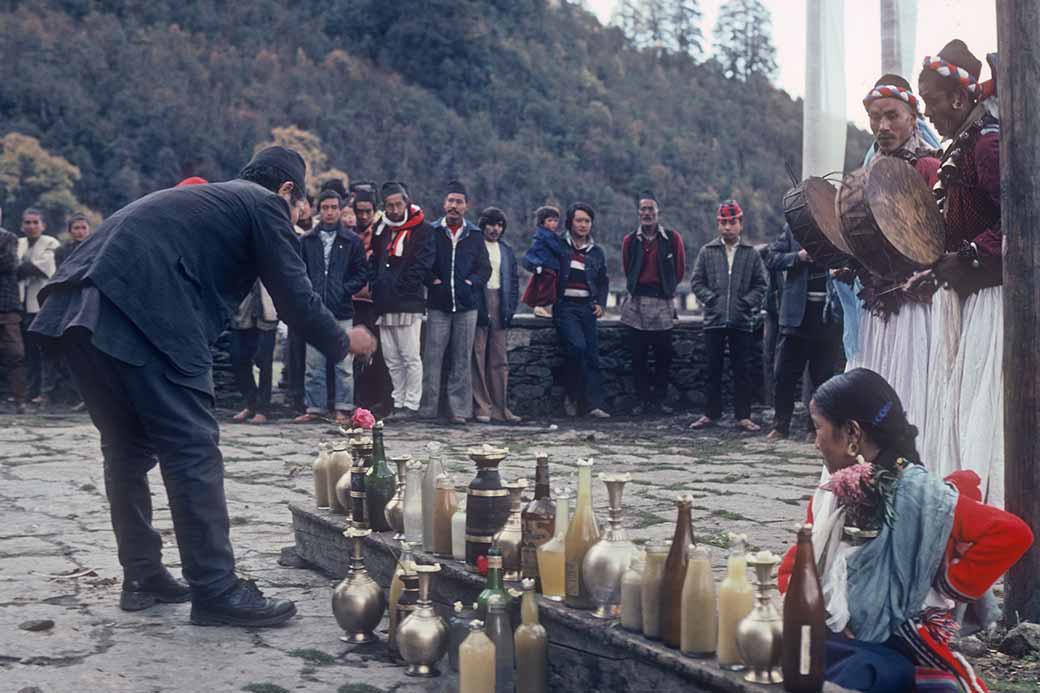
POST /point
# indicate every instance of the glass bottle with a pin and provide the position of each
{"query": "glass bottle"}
(675, 574)
(405, 564)
(538, 520)
(476, 661)
(653, 573)
(380, 483)
(340, 463)
(321, 489)
(500, 631)
(458, 629)
(805, 621)
(434, 468)
(700, 604)
(552, 556)
(443, 511)
(532, 645)
(736, 599)
(582, 533)
(458, 525)
(413, 514)
(493, 585)
(508, 539)
(632, 594)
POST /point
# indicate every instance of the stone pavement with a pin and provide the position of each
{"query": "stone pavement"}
(58, 558)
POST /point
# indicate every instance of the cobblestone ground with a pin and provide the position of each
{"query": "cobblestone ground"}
(58, 559)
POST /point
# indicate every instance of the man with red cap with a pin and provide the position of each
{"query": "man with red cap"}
(134, 311)
(729, 280)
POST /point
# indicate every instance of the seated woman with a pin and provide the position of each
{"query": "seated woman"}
(897, 548)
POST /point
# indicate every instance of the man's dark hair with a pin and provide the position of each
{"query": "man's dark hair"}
(329, 194)
(78, 216)
(270, 178)
(542, 214)
(33, 211)
(492, 215)
(335, 184)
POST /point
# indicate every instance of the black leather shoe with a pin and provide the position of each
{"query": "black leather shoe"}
(161, 588)
(242, 605)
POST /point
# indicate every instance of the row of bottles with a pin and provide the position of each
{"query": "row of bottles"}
(570, 560)
(352, 478)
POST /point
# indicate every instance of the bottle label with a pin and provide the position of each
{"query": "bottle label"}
(805, 651)
(573, 577)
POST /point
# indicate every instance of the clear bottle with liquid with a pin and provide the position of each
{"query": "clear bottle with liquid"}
(532, 645)
(552, 556)
(458, 525)
(632, 594)
(582, 533)
(736, 599)
(653, 574)
(500, 631)
(477, 661)
(434, 468)
(413, 510)
(700, 605)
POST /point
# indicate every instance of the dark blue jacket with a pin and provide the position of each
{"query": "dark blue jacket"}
(509, 293)
(545, 251)
(731, 300)
(783, 257)
(347, 272)
(398, 283)
(462, 268)
(178, 261)
(595, 272)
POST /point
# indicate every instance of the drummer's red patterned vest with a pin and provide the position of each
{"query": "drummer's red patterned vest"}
(968, 191)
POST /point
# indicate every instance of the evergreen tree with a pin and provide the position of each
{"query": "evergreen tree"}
(628, 16)
(743, 40)
(685, 18)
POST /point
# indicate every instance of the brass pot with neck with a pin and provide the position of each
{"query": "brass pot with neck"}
(394, 510)
(422, 637)
(358, 601)
(508, 540)
(607, 560)
(760, 634)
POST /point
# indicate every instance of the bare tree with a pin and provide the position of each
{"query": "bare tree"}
(743, 40)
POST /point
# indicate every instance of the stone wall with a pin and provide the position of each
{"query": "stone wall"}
(536, 366)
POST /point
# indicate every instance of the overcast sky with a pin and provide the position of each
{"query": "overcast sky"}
(938, 21)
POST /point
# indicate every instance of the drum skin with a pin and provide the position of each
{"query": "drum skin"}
(890, 219)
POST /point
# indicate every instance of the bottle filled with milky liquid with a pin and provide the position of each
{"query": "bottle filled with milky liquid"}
(582, 533)
(413, 508)
(476, 661)
(632, 594)
(551, 556)
(321, 474)
(700, 604)
(443, 511)
(736, 599)
(653, 574)
(532, 645)
(434, 468)
(458, 525)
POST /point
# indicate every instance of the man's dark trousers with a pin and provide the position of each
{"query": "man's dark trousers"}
(793, 353)
(144, 418)
(740, 365)
(651, 388)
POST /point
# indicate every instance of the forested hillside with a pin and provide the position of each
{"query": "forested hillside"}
(525, 101)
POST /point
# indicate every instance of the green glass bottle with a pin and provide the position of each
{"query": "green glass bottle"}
(380, 483)
(494, 583)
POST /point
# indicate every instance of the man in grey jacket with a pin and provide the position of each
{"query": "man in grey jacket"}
(729, 279)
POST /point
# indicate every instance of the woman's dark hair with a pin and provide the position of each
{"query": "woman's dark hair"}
(579, 207)
(271, 178)
(492, 215)
(863, 396)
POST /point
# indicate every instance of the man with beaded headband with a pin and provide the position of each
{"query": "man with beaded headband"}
(895, 327)
(964, 111)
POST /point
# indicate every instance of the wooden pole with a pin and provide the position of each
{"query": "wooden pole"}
(1018, 86)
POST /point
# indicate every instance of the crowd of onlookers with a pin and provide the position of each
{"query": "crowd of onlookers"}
(440, 294)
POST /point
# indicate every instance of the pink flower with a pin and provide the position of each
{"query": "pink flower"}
(363, 418)
(852, 484)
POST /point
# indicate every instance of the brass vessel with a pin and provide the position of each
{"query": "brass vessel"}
(607, 560)
(508, 539)
(422, 638)
(394, 510)
(362, 451)
(358, 602)
(760, 634)
(338, 466)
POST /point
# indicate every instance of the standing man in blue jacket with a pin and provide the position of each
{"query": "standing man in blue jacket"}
(810, 327)
(134, 311)
(461, 268)
(729, 279)
(337, 267)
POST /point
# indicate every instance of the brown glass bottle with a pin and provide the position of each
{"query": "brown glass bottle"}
(538, 521)
(675, 575)
(805, 622)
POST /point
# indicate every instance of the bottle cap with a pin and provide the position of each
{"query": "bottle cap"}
(457, 606)
(476, 624)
